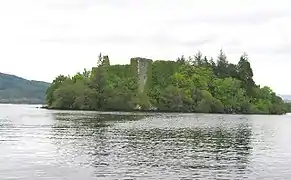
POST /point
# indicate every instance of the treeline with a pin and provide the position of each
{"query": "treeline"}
(192, 84)
(288, 105)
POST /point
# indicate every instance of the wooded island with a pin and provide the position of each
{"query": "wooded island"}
(193, 84)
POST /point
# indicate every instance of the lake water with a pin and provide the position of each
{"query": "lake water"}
(42, 144)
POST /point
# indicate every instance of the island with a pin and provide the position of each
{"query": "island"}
(189, 84)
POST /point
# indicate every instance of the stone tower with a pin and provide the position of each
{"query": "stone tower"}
(142, 69)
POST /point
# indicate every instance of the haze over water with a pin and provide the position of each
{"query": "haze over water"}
(42, 144)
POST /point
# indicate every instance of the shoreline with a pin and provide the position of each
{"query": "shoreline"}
(21, 103)
(153, 111)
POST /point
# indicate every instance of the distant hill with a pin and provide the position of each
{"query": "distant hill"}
(286, 97)
(14, 89)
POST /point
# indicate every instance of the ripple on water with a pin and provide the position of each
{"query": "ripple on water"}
(41, 144)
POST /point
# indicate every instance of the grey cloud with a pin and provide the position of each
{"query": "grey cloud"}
(200, 41)
(283, 49)
(83, 4)
(66, 5)
(233, 42)
(72, 4)
(120, 39)
(157, 39)
(233, 46)
(167, 40)
(92, 40)
(251, 18)
(61, 40)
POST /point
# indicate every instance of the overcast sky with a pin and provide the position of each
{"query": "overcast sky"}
(40, 39)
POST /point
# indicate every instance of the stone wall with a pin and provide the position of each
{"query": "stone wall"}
(142, 70)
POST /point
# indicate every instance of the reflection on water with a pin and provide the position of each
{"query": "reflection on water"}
(36, 144)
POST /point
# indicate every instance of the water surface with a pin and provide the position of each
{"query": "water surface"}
(43, 144)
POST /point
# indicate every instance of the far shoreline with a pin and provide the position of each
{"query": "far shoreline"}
(25, 103)
(152, 111)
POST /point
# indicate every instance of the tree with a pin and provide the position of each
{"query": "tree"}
(181, 59)
(57, 82)
(198, 59)
(229, 92)
(222, 65)
(195, 84)
(245, 74)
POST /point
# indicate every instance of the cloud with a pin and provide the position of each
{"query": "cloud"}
(50, 37)
(155, 39)
(235, 18)
(200, 42)
(282, 49)
(115, 39)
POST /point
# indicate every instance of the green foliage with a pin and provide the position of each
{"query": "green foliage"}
(228, 91)
(14, 89)
(193, 84)
(288, 106)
